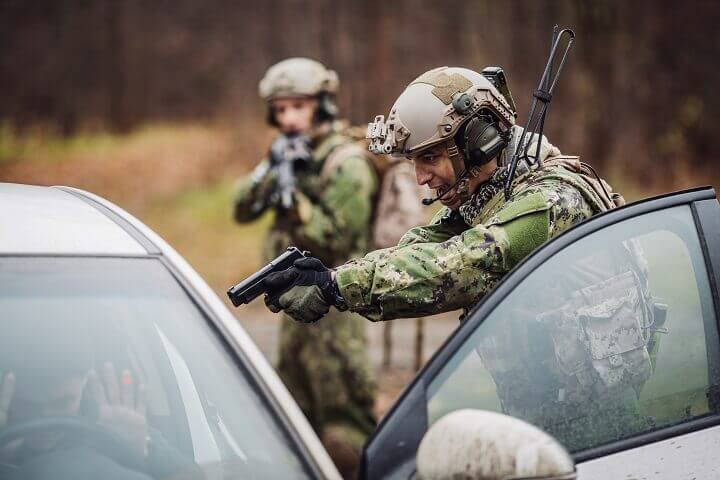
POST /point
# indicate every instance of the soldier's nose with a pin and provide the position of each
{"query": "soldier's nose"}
(422, 176)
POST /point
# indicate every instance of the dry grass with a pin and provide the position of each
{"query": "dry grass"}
(154, 163)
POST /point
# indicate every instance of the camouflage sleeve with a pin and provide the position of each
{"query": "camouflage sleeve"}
(425, 278)
(437, 230)
(342, 214)
(252, 193)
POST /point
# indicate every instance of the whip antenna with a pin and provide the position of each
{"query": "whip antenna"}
(536, 118)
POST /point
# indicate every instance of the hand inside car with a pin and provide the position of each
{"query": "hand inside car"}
(121, 405)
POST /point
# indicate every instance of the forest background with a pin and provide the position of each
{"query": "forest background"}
(153, 104)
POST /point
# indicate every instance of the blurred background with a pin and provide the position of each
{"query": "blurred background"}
(153, 104)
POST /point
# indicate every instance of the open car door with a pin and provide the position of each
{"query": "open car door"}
(606, 338)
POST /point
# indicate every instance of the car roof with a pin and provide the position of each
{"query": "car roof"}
(58, 221)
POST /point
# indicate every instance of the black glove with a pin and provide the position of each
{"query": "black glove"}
(304, 291)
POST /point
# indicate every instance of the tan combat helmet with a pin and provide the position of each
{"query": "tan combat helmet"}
(298, 77)
(432, 109)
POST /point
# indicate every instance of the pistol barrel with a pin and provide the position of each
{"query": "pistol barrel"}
(252, 287)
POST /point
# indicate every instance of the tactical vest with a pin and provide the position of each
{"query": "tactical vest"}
(605, 334)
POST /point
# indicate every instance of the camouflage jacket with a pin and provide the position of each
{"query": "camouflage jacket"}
(451, 264)
(333, 206)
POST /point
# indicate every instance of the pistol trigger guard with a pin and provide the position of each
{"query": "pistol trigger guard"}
(273, 300)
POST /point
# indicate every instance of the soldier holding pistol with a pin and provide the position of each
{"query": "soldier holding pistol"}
(459, 131)
(457, 128)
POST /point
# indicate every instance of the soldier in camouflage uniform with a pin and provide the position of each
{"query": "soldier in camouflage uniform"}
(478, 236)
(326, 367)
(459, 131)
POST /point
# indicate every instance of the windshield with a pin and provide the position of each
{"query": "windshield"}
(106, 365)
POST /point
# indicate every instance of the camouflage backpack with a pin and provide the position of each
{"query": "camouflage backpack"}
(398, 200)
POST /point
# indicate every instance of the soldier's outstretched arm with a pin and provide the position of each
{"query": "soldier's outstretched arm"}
(342, 213)
(425, 278)
(253, 192)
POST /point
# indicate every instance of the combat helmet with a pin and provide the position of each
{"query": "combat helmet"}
(434, 108)
(301, 77)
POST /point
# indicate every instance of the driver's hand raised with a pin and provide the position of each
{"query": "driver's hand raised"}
(121, 405)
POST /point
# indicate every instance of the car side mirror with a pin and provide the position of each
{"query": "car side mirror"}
(484, 445)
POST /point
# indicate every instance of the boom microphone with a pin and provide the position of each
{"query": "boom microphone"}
(430, 201)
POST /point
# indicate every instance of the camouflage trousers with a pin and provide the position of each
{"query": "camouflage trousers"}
(325, 367)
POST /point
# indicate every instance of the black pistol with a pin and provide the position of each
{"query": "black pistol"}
(252, 287)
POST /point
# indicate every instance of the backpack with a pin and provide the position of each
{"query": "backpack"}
(397, 204)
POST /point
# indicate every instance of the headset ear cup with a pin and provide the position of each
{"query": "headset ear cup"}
(327, 108)
(483, 141)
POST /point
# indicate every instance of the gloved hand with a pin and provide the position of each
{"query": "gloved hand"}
(305, 291)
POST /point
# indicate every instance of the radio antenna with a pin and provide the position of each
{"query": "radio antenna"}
(543, 95)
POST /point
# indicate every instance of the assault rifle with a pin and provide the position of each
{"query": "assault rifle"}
(252, 287)
(287, 154)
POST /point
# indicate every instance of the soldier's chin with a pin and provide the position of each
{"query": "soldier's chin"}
(451, 200)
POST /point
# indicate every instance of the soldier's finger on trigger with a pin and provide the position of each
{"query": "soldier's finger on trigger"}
(112, 389)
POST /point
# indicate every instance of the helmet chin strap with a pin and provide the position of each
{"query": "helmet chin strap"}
(462, 180)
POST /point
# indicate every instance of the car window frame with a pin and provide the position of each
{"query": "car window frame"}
(399, 427)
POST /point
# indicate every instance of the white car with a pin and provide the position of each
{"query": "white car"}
(84, 285)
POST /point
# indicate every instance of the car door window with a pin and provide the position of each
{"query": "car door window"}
(611, 337)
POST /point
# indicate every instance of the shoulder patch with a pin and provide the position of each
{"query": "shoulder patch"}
(525, 234)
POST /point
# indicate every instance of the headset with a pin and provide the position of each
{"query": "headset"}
(480, 139)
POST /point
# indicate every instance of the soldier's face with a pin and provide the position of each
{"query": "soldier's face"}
(434, 169)
(294, 115)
